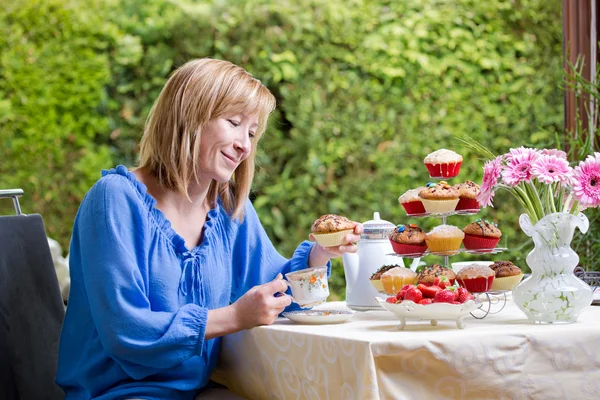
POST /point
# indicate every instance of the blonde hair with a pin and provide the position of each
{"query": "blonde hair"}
(198, 92)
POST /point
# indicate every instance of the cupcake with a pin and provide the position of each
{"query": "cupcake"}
(375, 278)
(476, 278)
(411, 201)
(444, 240)
(467, 196)
(508, 275)
(439, 198)
(428, 274)
(443, 163)
(408, 240)
(330, 230)
(481, 235)
(394, 279)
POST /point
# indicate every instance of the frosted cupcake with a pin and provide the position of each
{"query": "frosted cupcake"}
(439, 197)
(375, 278)
(467, 196)
(444, 239)
(411, 201)
(476, 278)
(394, 279)
(507, 277)
(443, 163)
(330, 230)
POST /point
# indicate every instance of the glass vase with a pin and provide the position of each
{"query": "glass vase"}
(553, 294)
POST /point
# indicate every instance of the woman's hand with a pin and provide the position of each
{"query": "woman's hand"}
(319, 255)
(259, 306)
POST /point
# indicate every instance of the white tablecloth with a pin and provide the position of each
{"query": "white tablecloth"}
(502, 356)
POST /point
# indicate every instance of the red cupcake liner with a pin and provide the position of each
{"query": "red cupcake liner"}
(473, 242)
(401, 248)
(467, 204)
(447, 170)
(480, 284)
(414, 207)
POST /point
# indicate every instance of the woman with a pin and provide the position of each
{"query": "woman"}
(169, 257)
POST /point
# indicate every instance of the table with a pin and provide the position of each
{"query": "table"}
(502, 356)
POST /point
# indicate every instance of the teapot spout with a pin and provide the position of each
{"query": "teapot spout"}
(350, 261)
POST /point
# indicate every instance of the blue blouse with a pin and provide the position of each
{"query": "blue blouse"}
(139, 299)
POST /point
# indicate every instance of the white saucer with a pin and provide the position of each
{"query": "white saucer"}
(319, 317)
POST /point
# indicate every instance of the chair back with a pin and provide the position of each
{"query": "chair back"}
(31, 310)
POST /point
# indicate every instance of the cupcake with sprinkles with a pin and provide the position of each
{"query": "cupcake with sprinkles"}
(481, 235)
(408, 240)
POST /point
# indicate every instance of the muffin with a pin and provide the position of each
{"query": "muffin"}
(428, 274)
(394, 279)
(444, 240)
(508, 275)
(375, 278)
(439, 198)
(467, 196)
(481, 235)
(443, 163)
(330, 229)
(408, 239)
(411, 201)
(476, 278)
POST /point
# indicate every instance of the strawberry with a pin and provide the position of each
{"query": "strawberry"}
(442, 281)
(464, 295)
(428, 291)
(402, 292)
(391, 300)
(426, 301)
(413, 294)
(445, 296)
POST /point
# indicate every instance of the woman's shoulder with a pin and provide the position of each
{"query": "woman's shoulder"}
(118, 186)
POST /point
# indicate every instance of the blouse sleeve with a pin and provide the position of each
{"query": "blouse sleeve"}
(255, 259)
(109, 238)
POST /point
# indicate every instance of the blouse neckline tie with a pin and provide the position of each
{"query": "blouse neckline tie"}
(191, 278)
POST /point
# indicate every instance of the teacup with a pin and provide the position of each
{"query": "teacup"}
(309, 286)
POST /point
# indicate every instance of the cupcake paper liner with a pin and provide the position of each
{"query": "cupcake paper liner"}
(507, 283)
(402, 248)
(467, 204)
(473, 242)
(332, 239)
(446, 170)
(480, 284)
(444, 246)
(377, 284)
(414, 207)
(439, 206)
(393, 286)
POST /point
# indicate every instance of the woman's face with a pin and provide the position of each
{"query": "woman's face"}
(225, 143)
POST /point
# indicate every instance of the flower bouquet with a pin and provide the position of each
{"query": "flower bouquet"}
(553, 194)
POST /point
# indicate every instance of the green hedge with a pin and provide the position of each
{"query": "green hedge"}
(365, 90)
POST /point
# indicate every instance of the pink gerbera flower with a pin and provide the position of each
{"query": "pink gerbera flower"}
(518, 169)
(530, 154)
(491, 173)
(586, 181)
(554, 152)
(550, 168)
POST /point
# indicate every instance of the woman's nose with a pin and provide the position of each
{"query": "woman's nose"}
(243, 145)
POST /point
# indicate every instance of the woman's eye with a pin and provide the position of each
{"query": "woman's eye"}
(251, 134)
(233, 123)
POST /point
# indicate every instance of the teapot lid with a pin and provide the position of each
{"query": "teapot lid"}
(377, 228)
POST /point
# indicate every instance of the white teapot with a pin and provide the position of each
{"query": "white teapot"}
(374, 251)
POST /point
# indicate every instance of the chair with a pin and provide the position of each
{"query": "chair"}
(31, 308)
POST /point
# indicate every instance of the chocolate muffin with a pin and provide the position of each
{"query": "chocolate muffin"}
(430, 272)
(467, 193)
(508, 275)
(439, 198)
(481, 235)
